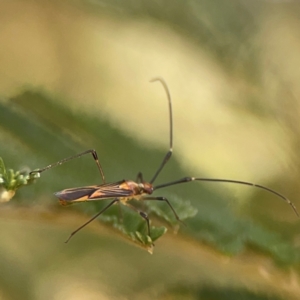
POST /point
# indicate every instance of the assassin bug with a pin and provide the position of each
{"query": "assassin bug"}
(124, 190)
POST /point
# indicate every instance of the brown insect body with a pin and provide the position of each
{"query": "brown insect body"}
(124, 190)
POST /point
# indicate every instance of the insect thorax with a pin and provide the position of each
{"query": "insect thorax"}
(140, 188)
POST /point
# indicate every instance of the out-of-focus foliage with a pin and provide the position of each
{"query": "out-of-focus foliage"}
(229, 249)
(215, 224)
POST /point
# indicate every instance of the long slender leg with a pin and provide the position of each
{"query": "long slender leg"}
(169, 153)
(188, 179)
(139, 177)
(92, 219)
(92, 151)
(167, 201)
(142, 214)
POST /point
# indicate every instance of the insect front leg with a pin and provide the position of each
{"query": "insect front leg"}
(139, 177)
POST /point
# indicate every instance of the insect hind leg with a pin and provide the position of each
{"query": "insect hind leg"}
(93, 218)
(92, 151)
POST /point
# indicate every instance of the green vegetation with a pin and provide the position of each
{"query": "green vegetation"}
(233, 246)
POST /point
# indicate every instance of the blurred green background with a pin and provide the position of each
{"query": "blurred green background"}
(75, 76)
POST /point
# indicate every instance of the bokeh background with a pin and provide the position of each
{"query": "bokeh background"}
(74, 75)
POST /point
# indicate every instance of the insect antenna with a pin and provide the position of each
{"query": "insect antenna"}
(169, 153)
(189, 179)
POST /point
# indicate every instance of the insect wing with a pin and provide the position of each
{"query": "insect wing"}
(93, 192)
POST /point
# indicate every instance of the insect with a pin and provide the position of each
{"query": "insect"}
(125, 190)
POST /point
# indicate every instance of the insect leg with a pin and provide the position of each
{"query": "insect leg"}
(139, 177)
(92, 219)
(142, 214)
(92, 151)
(167, 201)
